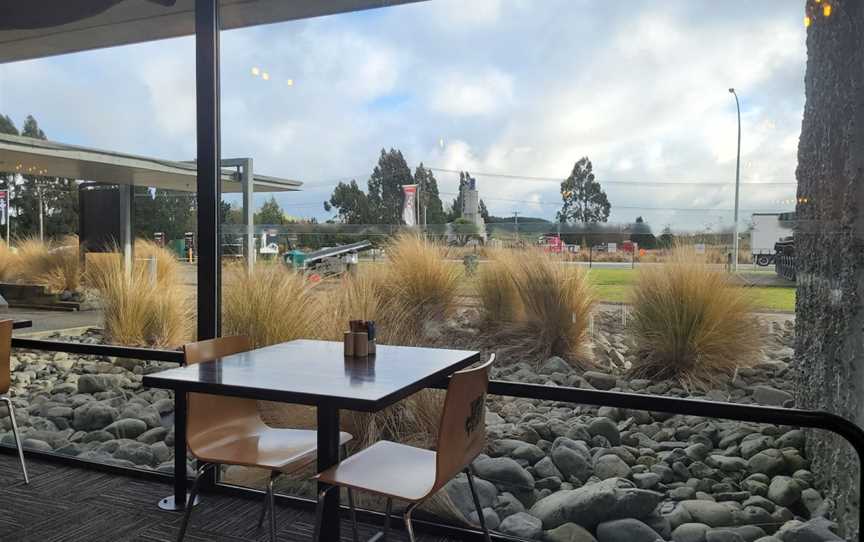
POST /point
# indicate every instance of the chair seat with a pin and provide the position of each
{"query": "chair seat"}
(387, 468)
(259, 446)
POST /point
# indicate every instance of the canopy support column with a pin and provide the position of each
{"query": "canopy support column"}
(247, 181)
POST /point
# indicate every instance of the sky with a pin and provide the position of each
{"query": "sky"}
(514, 91)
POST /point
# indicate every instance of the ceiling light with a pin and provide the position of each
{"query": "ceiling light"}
(265, 76)
(290, 82)
(256, 72)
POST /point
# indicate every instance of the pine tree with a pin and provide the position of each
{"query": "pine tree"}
(455, 210)
(385, 187)
(271, 213)
(430, 201)
(351, 204)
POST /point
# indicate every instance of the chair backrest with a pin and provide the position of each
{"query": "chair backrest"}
(462, 432)
(5, 353)
(207, 413)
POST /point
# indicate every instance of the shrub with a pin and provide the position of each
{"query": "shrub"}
(272, 304)
(53, 265)
(690, 322)
(137, 311)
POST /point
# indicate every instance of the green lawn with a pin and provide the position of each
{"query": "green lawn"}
(615, 285)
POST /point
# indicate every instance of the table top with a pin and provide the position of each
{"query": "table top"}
(21, 324)
(317, 372)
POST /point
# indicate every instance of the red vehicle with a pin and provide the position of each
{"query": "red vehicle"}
(552, 244)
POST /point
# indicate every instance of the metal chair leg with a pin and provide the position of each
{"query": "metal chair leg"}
(477, 505)
(190, 502)
(408, 526)
(17, 436)
(319, 514)
(389, 513)
(264, 505)
(353, 514)
(271, 500)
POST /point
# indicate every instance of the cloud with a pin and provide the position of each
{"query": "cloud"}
(462, 94)
(511, 86)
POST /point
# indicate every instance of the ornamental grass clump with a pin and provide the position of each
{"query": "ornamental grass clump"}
(138, 311)
(55, 265)
(499, 300)
(691, 323)
(420, 284)
(271, 304)
(556, 301)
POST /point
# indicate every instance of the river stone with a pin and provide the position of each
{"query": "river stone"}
(569, 532)
(555, 365)
(460, 493)
(601, 381)
(528, 452)
(157, 434)
(522, 525)
(766, 395)
(507, 505)
(136, 452)
(490, 518)
(571, 463)
(595, 503)
(791, 439)
(605, 428)
(690, 532)
(815, 530)
(626, 530)
(770, 462)
(99, 382)
(723, 535)
(784, 490)
(127, 428)
(611, 466)
(546, 468)
(710, 513)
(145, 413)
(93, 415)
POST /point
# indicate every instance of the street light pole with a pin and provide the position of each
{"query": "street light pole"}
(737, 186)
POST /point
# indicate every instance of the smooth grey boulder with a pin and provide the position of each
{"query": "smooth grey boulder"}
(93, 416)
(595, 503)
(522, 525)
(504, 471)
(569, 532)
(626, 530)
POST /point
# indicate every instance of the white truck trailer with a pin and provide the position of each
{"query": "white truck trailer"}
(768, 229)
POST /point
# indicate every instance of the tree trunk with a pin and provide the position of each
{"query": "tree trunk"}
(828, 241)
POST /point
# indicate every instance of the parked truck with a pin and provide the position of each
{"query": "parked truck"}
(768, 229)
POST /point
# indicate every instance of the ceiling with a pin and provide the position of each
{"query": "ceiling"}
(40, 28)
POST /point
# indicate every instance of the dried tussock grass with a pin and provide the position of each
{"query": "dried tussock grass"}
(167, 266)
(270, 305)
(533, 301)
(499, 301)
(138, 311)
(691, 323)
(54, 265)
(8, 263)
(421, 286)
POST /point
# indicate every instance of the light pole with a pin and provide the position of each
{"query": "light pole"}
(737, 186)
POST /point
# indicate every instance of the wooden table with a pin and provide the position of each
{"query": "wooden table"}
(310, 373)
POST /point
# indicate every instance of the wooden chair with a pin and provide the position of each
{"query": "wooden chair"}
(6, 382)
(225, 430)
(398, 471)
